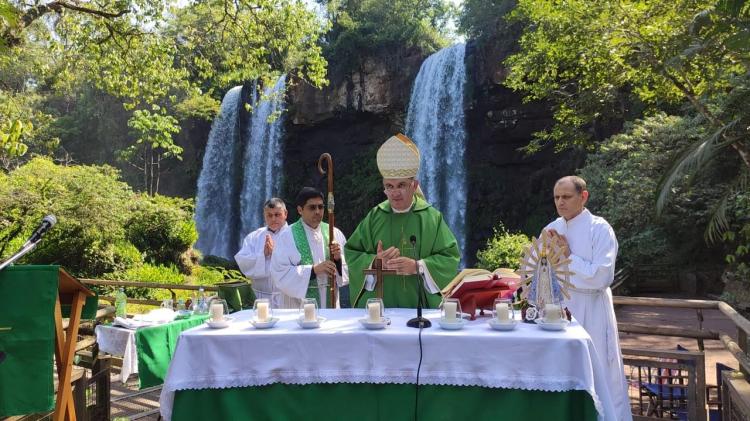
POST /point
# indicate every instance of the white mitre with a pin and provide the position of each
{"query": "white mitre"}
(398, 157)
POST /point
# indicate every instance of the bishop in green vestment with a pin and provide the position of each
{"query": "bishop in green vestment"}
(388, 229)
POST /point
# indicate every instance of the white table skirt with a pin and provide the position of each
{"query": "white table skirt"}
(342, 351)
(120, 342)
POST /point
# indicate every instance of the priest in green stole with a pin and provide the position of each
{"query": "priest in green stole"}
(387, 231)
(302, 264)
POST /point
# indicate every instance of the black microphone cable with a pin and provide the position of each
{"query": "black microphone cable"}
(419, 367)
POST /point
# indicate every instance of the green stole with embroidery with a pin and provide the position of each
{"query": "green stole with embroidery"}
(303, 247)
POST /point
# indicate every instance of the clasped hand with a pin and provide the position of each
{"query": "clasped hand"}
(328, 267)
(561, 241)
(392, 260)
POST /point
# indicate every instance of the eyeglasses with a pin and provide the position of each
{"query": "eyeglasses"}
(403, 186)
(314, 207)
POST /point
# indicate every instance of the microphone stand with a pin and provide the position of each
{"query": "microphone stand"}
(419, 321)
(20, 253)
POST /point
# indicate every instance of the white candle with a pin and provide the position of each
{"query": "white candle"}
(501, 309)
(217, 312)
(373, 310)
(262, 309)
(551, 313)
(310, 312)
(450, 311)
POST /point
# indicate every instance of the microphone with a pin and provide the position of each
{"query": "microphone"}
(48, 222)
(418, 321)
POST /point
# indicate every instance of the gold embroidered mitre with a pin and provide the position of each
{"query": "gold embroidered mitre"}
(398, 157)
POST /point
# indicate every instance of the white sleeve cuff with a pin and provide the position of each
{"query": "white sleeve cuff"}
(429, 283)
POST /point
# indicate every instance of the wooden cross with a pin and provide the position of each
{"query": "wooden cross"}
(378, 271)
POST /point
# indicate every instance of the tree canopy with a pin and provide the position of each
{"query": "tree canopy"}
(164, 62)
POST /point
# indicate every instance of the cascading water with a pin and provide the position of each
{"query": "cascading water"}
(435, 121)
(263, 156)
(241, 169)
(215, 209)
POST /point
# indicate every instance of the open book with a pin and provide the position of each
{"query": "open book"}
(478, 279)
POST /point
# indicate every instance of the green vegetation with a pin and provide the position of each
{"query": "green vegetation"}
(103, 226)
(164, 65)
(675, 77)
(363, 27)
(503, 250)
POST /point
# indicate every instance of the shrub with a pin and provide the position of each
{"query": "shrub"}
(503, 250)
(163, 228)
(159, 274)
(207, 275)
(102, 226)
(91, 206)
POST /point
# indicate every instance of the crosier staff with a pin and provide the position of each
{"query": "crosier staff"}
(326, 157)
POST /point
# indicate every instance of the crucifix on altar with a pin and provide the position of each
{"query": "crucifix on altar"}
(379, 273)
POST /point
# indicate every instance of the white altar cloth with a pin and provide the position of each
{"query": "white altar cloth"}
(120, 342)
(527, 358)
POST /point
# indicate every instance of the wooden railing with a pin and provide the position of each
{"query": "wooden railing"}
(736, 398)
(739, 349)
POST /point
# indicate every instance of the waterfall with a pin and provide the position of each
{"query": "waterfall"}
(435, 121)
(241, 169)
(263, 156)
(215, 209)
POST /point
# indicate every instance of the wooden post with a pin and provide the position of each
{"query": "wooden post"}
(742, 342)
(69, 290)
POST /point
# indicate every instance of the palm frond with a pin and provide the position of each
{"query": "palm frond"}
(718, 223)
(692, 158)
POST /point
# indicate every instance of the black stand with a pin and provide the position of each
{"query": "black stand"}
(419, 321)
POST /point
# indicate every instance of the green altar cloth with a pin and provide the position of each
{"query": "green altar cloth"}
(155, 346)
(27, 338)
(388, 402)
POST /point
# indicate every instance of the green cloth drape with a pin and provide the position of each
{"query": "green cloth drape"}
(155, 346)
(387, 402)
(27, 338)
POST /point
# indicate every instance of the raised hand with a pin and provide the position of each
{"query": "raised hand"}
(268, 246)
(561, 241)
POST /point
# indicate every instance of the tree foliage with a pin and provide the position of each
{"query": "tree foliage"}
(103, 226)
(361, 27)
(623, 177)
(601, 63)
(152, 55)
(480, 19)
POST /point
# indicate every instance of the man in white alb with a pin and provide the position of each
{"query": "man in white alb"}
(590, 243)
(303, 264)
(254, 258)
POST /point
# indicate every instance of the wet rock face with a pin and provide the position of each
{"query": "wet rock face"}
(380, 85)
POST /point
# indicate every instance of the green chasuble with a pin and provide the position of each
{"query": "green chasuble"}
(436, 245)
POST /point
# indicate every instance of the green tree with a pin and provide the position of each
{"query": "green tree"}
(362, 27)
(154, 142)
(480, 19)
(623, 178)
(150, 54)
(604, 62)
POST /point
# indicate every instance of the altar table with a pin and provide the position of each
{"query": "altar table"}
(343, 371)
(145, 351)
